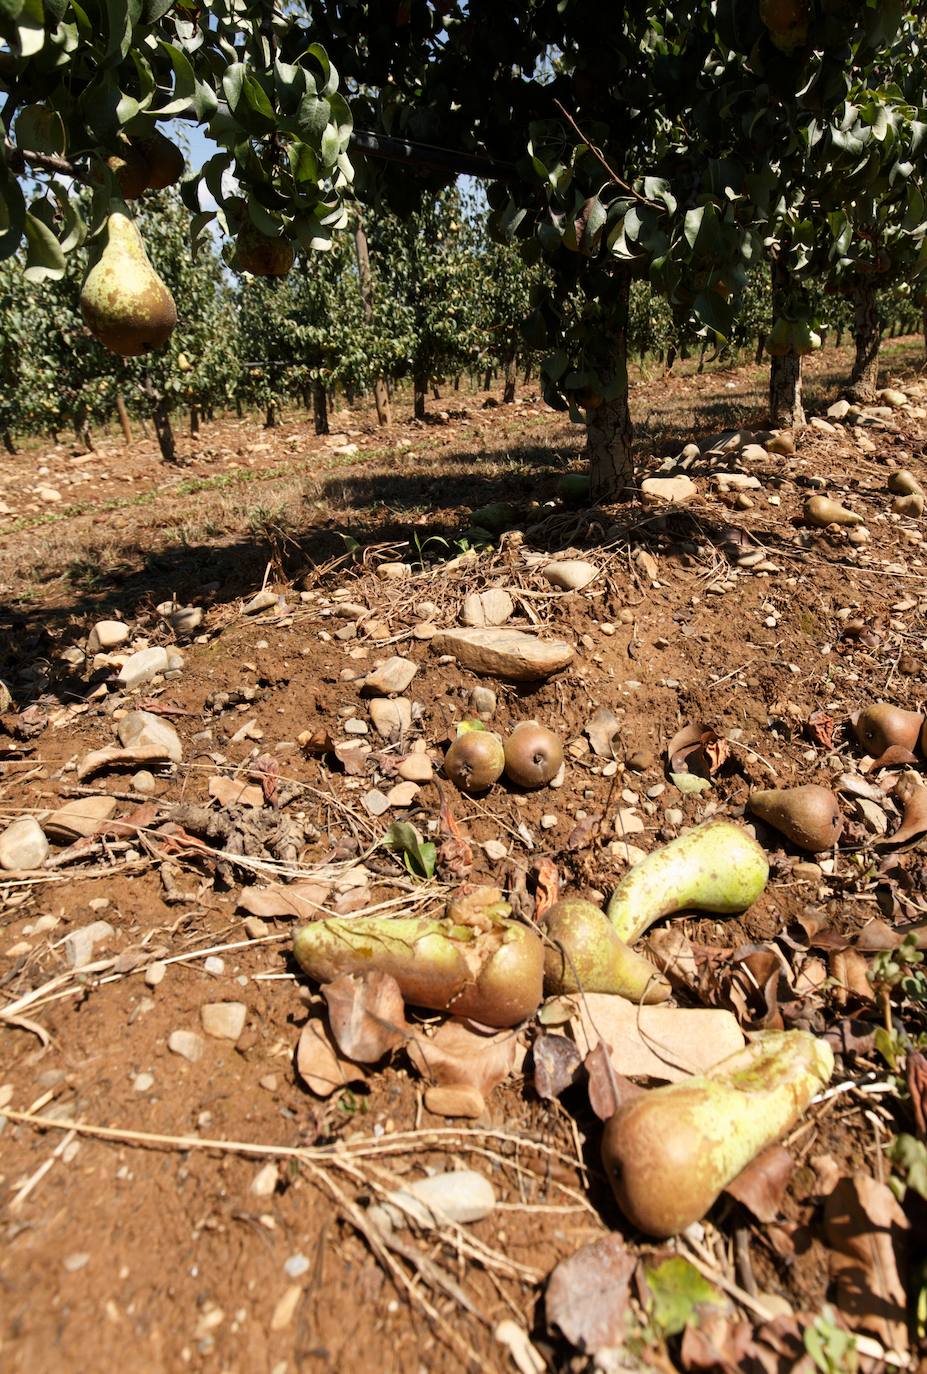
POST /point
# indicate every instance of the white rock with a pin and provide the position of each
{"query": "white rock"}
(214, 965)
(140, 667)
(494, 850)
(144, 727)
(893, 398)
(754, 453)
(483, 702)
(460, 1196)
(78, 818)
(264, 1183)
(107, 635)
(394, 572)
(375, 802)
(572, 574)
(142, 1082)
(187, 1044)
(185, 619)
(493, 607)
(737, 481)
(23, 844)
(391, 718)
(403, 793)
(79, 945)
(261, 601)
(505, 653)
(393, 675)
(154, 974)
(838, 410)
(223, 1020)
(672, 489)
(416, 768)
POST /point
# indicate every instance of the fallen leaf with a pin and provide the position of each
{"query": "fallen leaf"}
(603, 1090)
(319, 1064)
(717, 1343)
(458, 1056)
(820, 729)
(455, 856)
(588, 1296)
(917, 1087)
(547, 886)
(913, 796)
(678, 1295)
(556, 1065)
(305, 901)
(316, 742)
(366, 1014)
(851, 1037)
(602, 731)
(583, 832)
(669, 1043)
(697, 749)
(140, 755)
(352, 757)
(266, 770)
(866, 1231)
(761, 1186)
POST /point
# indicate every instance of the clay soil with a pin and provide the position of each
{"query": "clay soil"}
(159, 1255)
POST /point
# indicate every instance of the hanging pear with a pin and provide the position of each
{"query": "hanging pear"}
(124, 302)
(260, 255)
(164, 161)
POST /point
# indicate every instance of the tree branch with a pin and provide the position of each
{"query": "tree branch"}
(609, 171)
(49, 162)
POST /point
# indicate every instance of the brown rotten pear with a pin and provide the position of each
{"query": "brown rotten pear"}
(130, 169)
(123, 301)
(164, 161)
(533, 755)
(882, 726)
(475, 760)
(808, 816)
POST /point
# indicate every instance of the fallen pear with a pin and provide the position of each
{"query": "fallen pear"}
(585, 955)
(882, 725)
(821, 511)
(902, 482)
(912, 505)
(123, 301)
(494, 975)
(669, 1153)
(809, 816)
(717, 867)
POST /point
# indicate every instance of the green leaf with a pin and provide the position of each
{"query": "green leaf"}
(303, 162)
(184, 81)
(121, 18)
(44, 258)
(30, 29)
(12, 216)
(419, 856)
(677, 1291)
(40, 129)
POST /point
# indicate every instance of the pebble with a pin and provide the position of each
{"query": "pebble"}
(155, 973)
(739, 481)
(807, 872)
(893, 398)
(76, 1261)
(673, 489)
(493, 607)
(214, 966)
(460, 1196)
(754, 453)
(823, 426)
(107, 635)
(674, 816)
(264, 1183)
(375, 802)
(184, 620)
(144, 782)
(79, 818)
(393, 675)
(391, 718)
(494, 850)
(297, 1265)
(458, 1101)
(187, 1044)
(743, 502)
(394, 572)
(403, 794)
(255, 928)
(223, 1020)
(838, 410)
(482, 701)
(23, 844)
(142, 666)
(48, 494)
(416, 768)
(79, 944)
(549, 821)
(261, 601)
(356, 727)
(142, 1082)
(859, 536)
(571, 574)
(424, 630)
(144, 727)
(505, 653)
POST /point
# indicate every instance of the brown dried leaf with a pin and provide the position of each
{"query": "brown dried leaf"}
(603, 1095)
(352, 757)
(316, 742)
(850, 1037)
(457, 1055)
(866, 1230)
(917, 1087)
(266, 770)
(556, 1065)
(761, 1186)
(669, 1043)
(547, 886)
(319, 1064)
(367, 1015)
(913, 797)
(584, 831)
(455, 856)
(697, 749)
(717, 1343)
(820, 729)
(588, 1295)
(602, 730)
(302, 900)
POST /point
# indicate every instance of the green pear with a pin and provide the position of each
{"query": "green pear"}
(260, 255)
(585, 955)
(124, 302)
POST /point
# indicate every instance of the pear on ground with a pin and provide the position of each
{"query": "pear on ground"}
(123, 301)
(809, 816)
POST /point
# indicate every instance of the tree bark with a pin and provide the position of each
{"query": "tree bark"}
(123, 417)
(786, 408)
(238, 408)
(320, 408)
(867, 335)
(609, 432)
(419, 392)
(380, 394)
(760, 346)
(8, 441)
(270, 419)
(508, 390)
(194, 420)
(487, 379)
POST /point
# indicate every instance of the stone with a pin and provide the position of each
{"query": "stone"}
(839, 410)
(393, 675)
(416, 768)
(142, 1082)
(144, 782)
(460, 1195)
(235, 792)
(403, 794)
(155, 973)
(511, 654)
(483, 702)
(214, 966)
(184, 620)
(738, 481)
(355, 727)
(187, 1044)
(391, 718)
(375, 802)
(261, 601)
(743, 502)
(107, 635)
(48, 494)
(823, 426)
(78, 818)
(23, 844)
(394, 572)
(893, 398)
(675, 490)
(223, 1020)
(425, 629)
(571, 574)
(144, 727)
(264, 1183)
(493, 607)
(142, 666)
(79, 944)
(458, 1101)
(255, 928)
(549, 821)
(754, 453)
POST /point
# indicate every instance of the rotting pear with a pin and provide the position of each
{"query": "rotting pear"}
(585, 955)
(669, 1153)
(717, 867)
(809, 816)
(124, 302)
(821, 511)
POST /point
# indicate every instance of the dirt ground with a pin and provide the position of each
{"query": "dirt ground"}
(186, 1250)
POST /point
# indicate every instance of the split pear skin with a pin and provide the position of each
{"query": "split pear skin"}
(123, 301)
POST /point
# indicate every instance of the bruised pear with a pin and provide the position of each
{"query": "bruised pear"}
(533, 755)
(164, 161)
(716, 867)
(123, 301)
(821, 511)
(475, 760)
(262, 256)
(808, 816)
(669, 1153)
(585, 955)
(882, 725)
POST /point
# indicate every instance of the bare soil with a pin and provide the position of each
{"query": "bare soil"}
(159, 1253)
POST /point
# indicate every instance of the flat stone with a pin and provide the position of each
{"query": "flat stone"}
(23, 844)
(783, 444)
(142, 666)
(79, 945)
(467, 1102)
(355, 727)
(144, 727)
(839, 410)
(184, 620)
(107, 635)
(264, 1183)
(738, 481)
(261, 601)
(893, 398)
(375, 802)
(235, 792)
(394, 572)
(571, 574)
(823, 426)
(460, 1195)
(483, 702)
(142, 1082)
(754, 453)
(673, 489)
(493, 607)
(393, 675)
(78, 818)
(511, 654)
(187, 1044)
(416, 768)
(223, 1020)
(391, 718)
(48, 493)
(155, 973)
(403, 794)
(214, 966)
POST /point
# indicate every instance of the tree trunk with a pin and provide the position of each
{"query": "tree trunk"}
(380, 394)
(508, 390)
(194, 420)
(457, 382)
(210, 414)
(320, 408)
(123, 417)
(786, 409)
(867, 335)
(270, 419)
(238, 408)
(609, 433)
(419, 391)
(760, 346)
(8, 441)
(487, 379)
(527, 377)
(82, 431)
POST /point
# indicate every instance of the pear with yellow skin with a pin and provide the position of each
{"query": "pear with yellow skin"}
(260, 255)
(123, 301)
